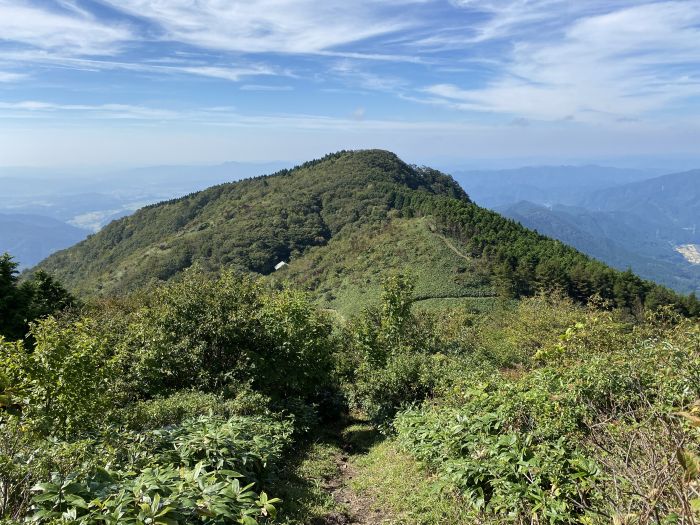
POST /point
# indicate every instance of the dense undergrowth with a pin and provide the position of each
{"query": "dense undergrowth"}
(544, 412)
(174, 406)
(189, 402)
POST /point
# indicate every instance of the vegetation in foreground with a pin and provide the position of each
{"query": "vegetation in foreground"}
(170, 407)
(203, 400)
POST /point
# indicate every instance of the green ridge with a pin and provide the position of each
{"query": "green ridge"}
(340, 222)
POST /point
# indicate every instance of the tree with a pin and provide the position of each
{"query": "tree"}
(22, 303)
(397, 298)
(13, 300)
(47, 295)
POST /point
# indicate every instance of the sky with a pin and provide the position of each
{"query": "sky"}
(137, 82)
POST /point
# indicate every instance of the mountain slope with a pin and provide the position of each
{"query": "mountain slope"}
(613, 237)
(30, 238)
(347, 273)
(250, 225)
(341, 223)
(668, 206)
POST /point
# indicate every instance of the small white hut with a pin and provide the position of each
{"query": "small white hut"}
(280, 265)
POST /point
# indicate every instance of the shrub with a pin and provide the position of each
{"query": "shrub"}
(589, 435)
(172, 410)
(210, 333)
(202, 471)
(64, 380)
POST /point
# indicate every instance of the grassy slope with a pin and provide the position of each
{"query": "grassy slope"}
(347, 273)
(402, 491)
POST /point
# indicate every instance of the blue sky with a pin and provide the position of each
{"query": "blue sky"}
(129, 82)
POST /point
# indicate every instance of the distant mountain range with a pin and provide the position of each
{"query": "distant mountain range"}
(650, 226)
(545, 184)
(634, 218)
(31, 238)
(669, 204)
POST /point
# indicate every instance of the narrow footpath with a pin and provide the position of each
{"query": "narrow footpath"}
(350, 475)
(351, 507)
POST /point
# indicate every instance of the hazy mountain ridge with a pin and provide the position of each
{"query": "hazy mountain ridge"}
(89, 201)
(544, 184)
(639, 225)
(31, 238)
(612, 237)
(672, 201)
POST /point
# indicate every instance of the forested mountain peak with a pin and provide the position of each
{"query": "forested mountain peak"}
(251, 224)
(341, 222)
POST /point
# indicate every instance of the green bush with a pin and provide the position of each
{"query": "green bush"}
(202, 471)
(591, 432)
(225, 351)
(501, 473)
(64, 380)
(389, 363)
(172, 410)
(27, 457)
(209, 333)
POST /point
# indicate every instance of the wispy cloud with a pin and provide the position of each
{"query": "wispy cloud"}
(517, 19)
(232, 73)
(35, 108)
(359, 76)
(264, 87)
(10, 76)
(69, 36)
(226, 73)
(221, 116)
(72, 32)
(278, 26)
(620, 64)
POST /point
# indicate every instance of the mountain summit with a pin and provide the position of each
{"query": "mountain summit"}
(340, 223)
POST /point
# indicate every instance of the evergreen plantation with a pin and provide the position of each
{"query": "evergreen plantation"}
(462, 368)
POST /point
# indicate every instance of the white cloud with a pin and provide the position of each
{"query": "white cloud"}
(232, 73)
(621, 64)
(265, 87)
(512, 20)
(277, 26)
(223, 117)
(9, 76)
(74, 34)
(351, 71)
(34, 108)
(225, 73)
